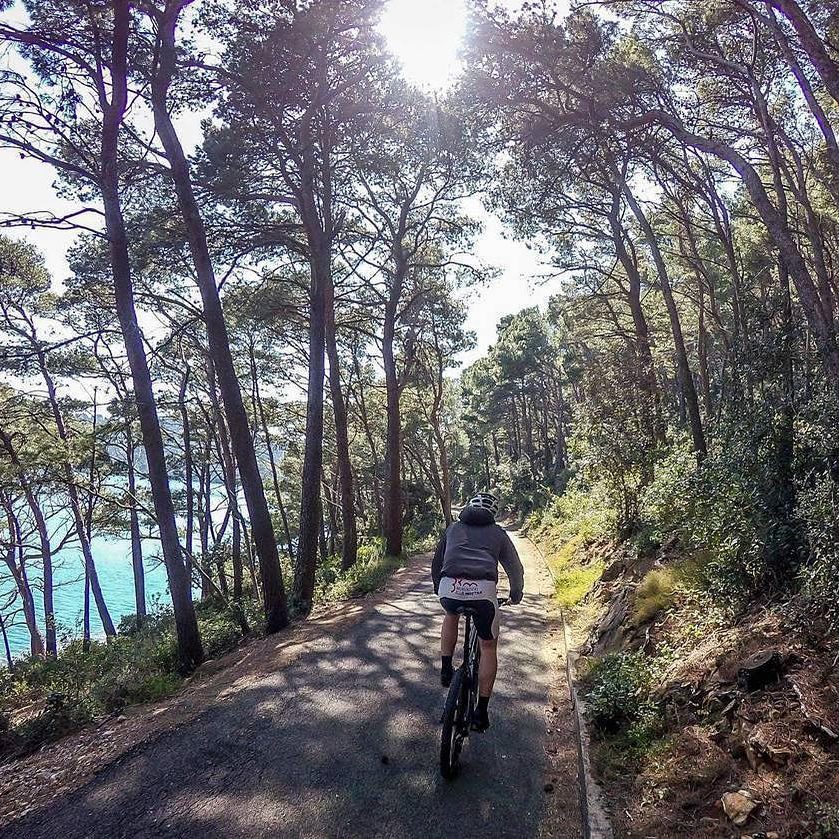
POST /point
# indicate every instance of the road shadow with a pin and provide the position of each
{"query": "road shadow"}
(342, 742)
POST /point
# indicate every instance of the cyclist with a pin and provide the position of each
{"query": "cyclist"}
(465, 569)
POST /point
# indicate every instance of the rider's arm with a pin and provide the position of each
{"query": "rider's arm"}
(437, 562)
(511, 563)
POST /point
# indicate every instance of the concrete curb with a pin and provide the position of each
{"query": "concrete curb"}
(595, 822)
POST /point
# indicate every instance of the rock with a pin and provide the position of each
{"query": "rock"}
(385, 760)
(613, 571)
(739, 806)
(548, 787)
(759, 670)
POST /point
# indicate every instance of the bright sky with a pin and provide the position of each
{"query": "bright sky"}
(426, 36)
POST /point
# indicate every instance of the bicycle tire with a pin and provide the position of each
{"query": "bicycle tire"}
(451, 738)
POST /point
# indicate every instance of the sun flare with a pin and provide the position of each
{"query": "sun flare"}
(425, 36)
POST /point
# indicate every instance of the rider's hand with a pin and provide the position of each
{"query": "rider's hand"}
(516, 596)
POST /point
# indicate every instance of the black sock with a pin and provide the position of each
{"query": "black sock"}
(483, 705)
(447, 662)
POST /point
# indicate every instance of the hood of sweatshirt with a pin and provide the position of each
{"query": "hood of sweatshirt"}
(476, 516)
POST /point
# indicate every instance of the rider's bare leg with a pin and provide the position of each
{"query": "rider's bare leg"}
(487, 667)
(448, 635)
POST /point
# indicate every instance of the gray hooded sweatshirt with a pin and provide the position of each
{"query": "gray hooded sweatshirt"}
(471, 549)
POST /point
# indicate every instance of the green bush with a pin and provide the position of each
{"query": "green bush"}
(818, 507)
(716, 512)
(618, 702)
(139, 665)
(370, 572)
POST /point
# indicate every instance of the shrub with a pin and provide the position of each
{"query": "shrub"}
(818, 507)
(717, 513)
(617, 691)
(371, 570)
(58, 717)
(655, 594)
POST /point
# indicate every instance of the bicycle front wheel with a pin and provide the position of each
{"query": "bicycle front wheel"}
(451, 740)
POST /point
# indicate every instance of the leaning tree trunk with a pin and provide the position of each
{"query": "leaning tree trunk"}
(134, 525)
(186, 427)
(823, 330)
(812, 44)
(273, 591)
(36, 643)
(75, 501)
(275, 476)
(190, 652)
(44, 542)
(685, 375)
(649, 384)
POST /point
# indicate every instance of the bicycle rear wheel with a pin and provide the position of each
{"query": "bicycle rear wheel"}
(454, 713)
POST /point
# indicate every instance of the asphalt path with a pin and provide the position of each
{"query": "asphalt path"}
(342, 742)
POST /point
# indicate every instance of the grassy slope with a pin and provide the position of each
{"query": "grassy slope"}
(672, 732)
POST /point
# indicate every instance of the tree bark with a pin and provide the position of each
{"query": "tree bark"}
(310, 501)
(685, 375)
(36, 643)
(823, 330)
(812, 44)
(273, 591)
(134, 525)
(349, 549)
(44, 543)
(392, 507)
(275, 477)
(190, 652)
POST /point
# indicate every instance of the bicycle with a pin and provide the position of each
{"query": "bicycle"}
(462, 698)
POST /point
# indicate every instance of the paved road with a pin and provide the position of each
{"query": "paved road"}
(341, 743)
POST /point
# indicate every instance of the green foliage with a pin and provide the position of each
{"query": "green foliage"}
(370, 572)
(715, 512)
(818, 507)
(618, 701)
(564, 528)
(580, 513)
(138, 665)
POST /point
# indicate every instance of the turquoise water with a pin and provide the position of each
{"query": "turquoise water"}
(113, 564)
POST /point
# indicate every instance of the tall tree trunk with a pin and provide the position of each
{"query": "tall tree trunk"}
(44, 543)
(310, 494)
(685, 376)
(188, 464)
(75, 501)
(134, 526)
(229, 469)
(374, 452)
(190, 652)
(812, 44)
(205, 512)
(275, 477)
(6, 648)
(349, 550)
(392, 508)
(36, 643)
(262, 528)
(824, 331)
